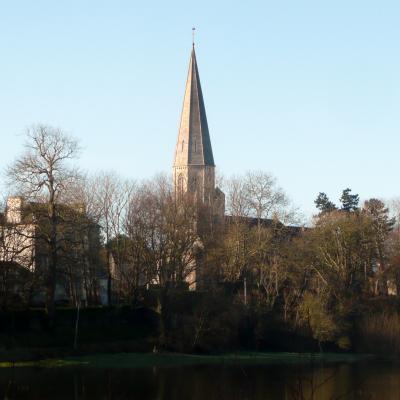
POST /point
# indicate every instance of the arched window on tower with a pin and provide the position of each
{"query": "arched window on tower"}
(180, 184)
(183, 144)
(193, 184)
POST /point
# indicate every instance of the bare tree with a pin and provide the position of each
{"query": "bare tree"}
(259, 212)
(257, 194)
(265, 199)
(237, 198)
(85, 260)
(111, 201)
(169, 228)
(42, 174)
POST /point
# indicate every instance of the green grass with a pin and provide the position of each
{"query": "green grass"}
(50, 363)
(145, 360)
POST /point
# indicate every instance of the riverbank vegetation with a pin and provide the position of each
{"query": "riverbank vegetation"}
(27, 334)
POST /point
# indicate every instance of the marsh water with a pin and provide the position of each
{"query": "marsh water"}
(367, 379)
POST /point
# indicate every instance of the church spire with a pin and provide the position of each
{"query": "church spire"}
(194, 145)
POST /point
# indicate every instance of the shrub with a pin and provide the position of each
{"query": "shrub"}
(380, 333)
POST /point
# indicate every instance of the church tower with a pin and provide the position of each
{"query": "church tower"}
(194, 168)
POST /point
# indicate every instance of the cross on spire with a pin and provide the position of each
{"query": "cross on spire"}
(193, 32)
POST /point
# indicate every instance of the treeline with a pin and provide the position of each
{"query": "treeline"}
(335, 281)
(147, 235)
(256, 270)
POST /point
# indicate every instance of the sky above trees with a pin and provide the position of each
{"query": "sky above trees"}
(308, 91)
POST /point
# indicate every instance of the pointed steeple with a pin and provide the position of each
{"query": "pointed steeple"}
(194, 145)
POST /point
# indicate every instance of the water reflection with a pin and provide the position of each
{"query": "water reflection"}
(219, 382)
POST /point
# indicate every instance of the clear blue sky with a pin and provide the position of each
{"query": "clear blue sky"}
(307, 90)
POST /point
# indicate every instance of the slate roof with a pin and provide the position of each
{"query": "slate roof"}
(194, 145)
(290, 230)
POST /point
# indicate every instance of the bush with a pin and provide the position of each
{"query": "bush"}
(380, 333)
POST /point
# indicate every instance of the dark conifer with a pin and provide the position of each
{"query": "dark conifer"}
(323, 203)
(349, 201)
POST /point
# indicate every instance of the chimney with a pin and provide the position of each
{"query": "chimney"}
(14, 210)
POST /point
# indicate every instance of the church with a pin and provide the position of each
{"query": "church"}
(193, 174)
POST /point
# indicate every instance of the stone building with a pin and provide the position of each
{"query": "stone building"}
(194, 167)
(16, 235)
(24, 230)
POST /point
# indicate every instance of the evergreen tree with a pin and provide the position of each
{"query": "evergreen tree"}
(323, 203)
(349, 201)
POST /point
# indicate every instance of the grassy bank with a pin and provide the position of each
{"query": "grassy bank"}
(140, 360)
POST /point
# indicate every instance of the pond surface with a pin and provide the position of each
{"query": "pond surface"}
(322, 380)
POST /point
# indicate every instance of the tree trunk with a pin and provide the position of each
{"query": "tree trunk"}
(109, 280)
(52, 272)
